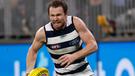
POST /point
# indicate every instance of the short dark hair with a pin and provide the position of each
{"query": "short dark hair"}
(58, 3)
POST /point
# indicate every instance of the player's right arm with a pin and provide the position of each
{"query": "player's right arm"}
(32, 52)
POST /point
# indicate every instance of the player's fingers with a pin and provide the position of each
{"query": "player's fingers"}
(67, 64)
(62, 57)
(64, 62)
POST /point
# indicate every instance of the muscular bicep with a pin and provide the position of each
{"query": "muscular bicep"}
(36, 45)
(86, 36)
(83, 31)
(38, 40)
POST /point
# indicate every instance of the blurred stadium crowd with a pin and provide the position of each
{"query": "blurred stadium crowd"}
(108, 19)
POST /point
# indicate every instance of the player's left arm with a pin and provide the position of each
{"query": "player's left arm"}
(86, 36)
(88, 39)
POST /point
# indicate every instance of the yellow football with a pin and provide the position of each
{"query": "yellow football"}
(39, 72)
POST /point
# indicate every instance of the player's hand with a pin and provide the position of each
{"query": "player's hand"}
(67, 59)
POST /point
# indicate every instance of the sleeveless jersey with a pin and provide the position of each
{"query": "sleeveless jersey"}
(64, 41)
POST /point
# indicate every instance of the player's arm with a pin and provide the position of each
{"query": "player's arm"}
(32, 52)
(86, 36)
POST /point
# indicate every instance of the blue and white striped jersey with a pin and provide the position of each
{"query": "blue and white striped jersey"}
(65, 41)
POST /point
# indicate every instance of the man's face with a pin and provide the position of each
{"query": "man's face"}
(57, 17)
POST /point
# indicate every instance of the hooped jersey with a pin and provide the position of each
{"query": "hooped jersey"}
(64, 41)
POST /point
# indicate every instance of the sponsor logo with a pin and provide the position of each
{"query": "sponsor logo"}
(55, 46)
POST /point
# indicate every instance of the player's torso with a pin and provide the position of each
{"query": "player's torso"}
(65, 41)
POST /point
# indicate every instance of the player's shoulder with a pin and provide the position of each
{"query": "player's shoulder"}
(79, 24)
(40, 34)
(43, 28)
(75, 18)
(40, 30)
(78, 21)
